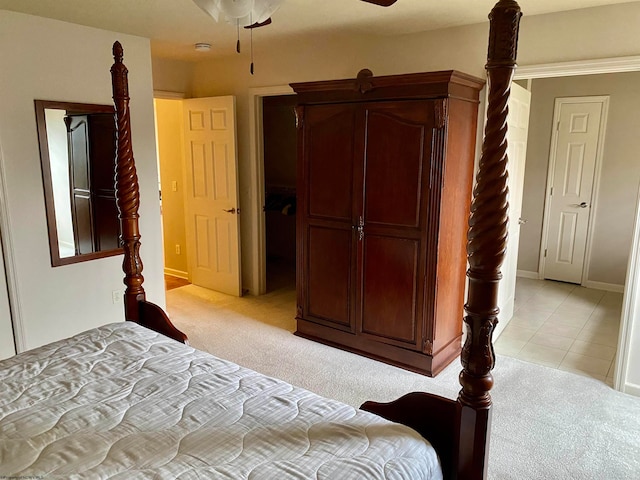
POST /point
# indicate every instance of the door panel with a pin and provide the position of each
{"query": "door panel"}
(329, 275)
(574, 155)
(396, 165)
(329, 262)
(390, 287)
(394, 160)
(329, 157)
(79, 178)
(211, 200)
(517, 133)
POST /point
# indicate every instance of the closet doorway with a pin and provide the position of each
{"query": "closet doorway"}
(279, 169)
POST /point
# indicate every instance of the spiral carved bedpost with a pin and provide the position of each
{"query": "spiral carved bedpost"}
(487, 240)
(127, 192)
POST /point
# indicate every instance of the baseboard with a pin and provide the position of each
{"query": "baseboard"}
(527, 274)
(631, 389)
(609, 287)
(176, 273)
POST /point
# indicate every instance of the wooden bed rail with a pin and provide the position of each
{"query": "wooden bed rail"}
(464, 455)
(136, 308)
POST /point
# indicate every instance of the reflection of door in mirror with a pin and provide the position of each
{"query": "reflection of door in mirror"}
(77, 149)
(91, 140)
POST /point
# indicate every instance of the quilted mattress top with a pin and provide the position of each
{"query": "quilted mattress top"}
(123, 402)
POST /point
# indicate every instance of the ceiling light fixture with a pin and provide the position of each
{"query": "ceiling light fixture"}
(242, 13)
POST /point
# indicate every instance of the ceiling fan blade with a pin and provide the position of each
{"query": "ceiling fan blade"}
(382, 3)
(259, 24)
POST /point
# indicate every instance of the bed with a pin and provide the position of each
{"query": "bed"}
(134, 400)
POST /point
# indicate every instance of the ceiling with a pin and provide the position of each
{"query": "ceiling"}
(174, 26)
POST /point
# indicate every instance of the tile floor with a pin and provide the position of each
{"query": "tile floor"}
(564, 326)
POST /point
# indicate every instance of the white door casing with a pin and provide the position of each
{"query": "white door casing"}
(211, 197)
(576, 148)
(7, 346)
(517, 133)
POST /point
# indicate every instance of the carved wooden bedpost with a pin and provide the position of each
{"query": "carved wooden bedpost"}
(487, 239)
(136, 308)
(127, 192)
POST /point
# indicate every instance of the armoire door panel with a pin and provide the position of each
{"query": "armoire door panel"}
(329, 149)
(329, 267)
(390, 288)
(394, 162)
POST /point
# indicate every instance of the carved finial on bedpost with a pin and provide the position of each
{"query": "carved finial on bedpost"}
(127, 193)
(487, 239)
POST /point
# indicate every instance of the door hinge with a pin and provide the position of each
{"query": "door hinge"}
(545, 253)
(551, 194)
(557, 126)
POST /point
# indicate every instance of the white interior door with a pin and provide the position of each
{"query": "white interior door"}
(518, 130)
(211, 198)
(575, 144)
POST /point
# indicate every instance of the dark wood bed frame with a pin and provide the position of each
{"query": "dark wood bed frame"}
(458, 429)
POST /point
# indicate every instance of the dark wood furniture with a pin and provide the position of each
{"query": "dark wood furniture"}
(458, 429)
(385, 167)
(92, 143)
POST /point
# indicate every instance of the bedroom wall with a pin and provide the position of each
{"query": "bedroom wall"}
(614, 212)
(52, 60)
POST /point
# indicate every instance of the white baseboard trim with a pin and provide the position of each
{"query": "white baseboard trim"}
(176, 273)
(631, 389)
(609, 287)
(527, 274)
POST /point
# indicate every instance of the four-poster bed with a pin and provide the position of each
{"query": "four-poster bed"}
(120, 368)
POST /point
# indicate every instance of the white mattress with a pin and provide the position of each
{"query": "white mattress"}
(123, 402)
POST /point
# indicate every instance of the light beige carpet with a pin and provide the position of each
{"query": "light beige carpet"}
(547, 424)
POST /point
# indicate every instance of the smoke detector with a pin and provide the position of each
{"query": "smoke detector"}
(202, 47)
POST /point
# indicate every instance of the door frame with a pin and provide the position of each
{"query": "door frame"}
(256, 151)
(631, 297)
(546, 218)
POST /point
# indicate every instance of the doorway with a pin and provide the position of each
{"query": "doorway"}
(280, 155)
(612, 236)
(168, 115)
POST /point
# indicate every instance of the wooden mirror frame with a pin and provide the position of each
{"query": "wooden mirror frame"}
(45, 161)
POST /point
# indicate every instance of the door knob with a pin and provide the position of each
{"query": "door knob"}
(580, 205)
(231, 210)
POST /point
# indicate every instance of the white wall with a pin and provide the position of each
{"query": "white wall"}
(52, 60)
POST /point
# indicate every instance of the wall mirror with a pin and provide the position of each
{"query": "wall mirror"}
(77, 153)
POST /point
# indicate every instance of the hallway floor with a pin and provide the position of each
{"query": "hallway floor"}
(564, 326)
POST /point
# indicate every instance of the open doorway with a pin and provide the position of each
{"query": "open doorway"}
(280, 151)
(564, 325)
(168, 115)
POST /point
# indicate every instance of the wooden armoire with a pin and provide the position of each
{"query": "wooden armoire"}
(385, 168)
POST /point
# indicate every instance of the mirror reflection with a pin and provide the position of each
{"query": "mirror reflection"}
(77, 152)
